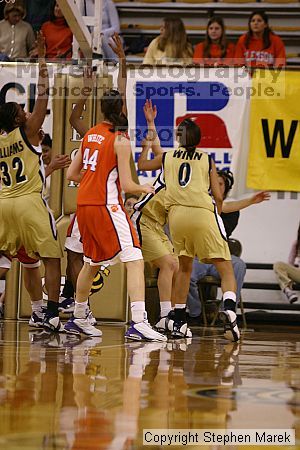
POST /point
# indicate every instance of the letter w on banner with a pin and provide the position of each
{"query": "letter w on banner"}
(274, 155)
(215, 98)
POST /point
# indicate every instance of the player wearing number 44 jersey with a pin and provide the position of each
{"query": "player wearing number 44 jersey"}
(102, 166)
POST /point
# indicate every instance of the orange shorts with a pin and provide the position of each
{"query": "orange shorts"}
(107, 235)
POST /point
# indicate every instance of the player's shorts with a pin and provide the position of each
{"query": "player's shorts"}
(5, 262)
(27, 221)
(25, 260)
(73, 239)
(107, 234)
(198, 232)
(155, 243)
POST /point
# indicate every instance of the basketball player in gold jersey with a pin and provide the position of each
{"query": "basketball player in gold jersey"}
(194, 201)
(26, 220)
(150, 217)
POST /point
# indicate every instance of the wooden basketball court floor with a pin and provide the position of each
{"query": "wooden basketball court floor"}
(62, 392)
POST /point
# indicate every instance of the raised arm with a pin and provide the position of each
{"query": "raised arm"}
(35, 120)
(151, 142)
(237, 205)
(123, 151)
(149, 164)
(215, 187)
(117, 47)
(76, 115)
(150, 113)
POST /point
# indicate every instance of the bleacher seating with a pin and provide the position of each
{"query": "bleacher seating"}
(144, 18)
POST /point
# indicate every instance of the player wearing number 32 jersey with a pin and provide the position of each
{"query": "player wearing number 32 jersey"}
(24, 215)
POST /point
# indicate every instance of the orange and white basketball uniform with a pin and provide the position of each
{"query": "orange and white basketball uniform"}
(106, 230)
(73, 240)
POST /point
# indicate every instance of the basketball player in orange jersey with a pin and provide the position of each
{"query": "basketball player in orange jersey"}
(73, 243)
(102, 167)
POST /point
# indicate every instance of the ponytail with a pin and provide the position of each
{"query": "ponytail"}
(111, 107)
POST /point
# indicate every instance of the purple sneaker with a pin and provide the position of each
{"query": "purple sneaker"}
(78, 326)
(142, 331)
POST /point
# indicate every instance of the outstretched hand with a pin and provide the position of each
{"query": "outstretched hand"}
(150, 111)
(260, 197)
(60, 162)
(117, 46)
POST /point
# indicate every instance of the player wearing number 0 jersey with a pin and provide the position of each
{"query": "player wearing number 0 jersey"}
(187, 177)
(193, 199)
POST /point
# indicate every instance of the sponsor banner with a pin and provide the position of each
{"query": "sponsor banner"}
(216, 98)
(274, 162)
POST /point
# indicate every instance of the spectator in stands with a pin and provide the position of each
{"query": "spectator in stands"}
(289, 273)
(171, 46)
(215, 49)
(58, 36)
(230, 217)
(260, 47)
(110, 23)
(17, 38)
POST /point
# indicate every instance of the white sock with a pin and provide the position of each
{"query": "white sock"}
(80, 310)
(138, 312)
(229, 295)
(165, 308)
(180, 305)
(37, 307)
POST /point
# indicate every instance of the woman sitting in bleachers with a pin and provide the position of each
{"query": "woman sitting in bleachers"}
(215, 50)
(58, 36)
(171, 46)
(260, 47)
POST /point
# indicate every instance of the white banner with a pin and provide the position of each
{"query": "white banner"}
(216, 98)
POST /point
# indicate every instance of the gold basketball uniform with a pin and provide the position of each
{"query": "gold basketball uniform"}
(150, 218)
(195, 226)
(24, 215)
